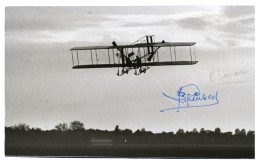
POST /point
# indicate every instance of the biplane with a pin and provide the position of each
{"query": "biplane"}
(140, 55)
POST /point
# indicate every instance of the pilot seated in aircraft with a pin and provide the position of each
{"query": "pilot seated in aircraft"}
(138, 61)
(128, 61)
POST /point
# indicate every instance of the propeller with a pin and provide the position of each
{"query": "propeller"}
(131, 54)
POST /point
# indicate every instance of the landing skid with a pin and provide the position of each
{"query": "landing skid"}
(126, 70)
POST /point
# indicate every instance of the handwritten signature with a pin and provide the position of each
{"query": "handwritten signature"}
(189, 96)
(218, 75)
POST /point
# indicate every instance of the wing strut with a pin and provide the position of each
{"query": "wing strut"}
(190, 54)
(121, 50)
(96, 56)
(175, 53)
(78, 56)
(91, 57)
(72, 58)
(195, 54)
(108, 56)
(113, 55)
(171, 53)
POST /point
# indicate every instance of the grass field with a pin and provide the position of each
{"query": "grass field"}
(134, 151)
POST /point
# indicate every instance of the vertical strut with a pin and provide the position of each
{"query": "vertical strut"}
(78, 57)
(171, 53)
(141, 54)
(91, 57)
(174, 53)
(157, 55)
(194, 53)
(190, 54)
(147, 41)
(123, 56)
(118, 56)
(96, 56)
(153, 58)
(118, 63)
(144, 60)
(108, 56)
(145, 54)
(113, 56)
(132, 51)
(72, 58)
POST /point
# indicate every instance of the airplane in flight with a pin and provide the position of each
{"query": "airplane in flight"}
(140, 55)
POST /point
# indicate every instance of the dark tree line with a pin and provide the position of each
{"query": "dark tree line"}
(75, 133)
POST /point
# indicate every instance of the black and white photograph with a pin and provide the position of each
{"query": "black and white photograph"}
(130, 81)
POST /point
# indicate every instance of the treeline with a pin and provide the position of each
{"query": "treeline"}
(75, 133)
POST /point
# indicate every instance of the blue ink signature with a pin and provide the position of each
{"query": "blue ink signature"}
(189, 100)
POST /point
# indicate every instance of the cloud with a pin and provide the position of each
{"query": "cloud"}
(166, 22)
(135, 24)
(248, 21)
(238, 11)
(222, 42)
(193, 23)
(235, 27)
(71, 18)
(55, 19)
(213, 41)
(242, 37)
(64, 24)
(231, 43)
(142, 10)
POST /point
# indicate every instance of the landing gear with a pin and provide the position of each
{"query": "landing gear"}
(124, 70)
(142, 70)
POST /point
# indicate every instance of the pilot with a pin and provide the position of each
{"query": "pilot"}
(138, 61)
(128, 60)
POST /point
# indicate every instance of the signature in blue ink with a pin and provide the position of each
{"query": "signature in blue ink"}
(189, 96)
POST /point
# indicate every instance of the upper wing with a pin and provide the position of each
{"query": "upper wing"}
(92, 47)
(166, 44)
(171, 44)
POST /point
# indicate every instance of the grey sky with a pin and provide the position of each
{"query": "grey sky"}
(42, 90)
